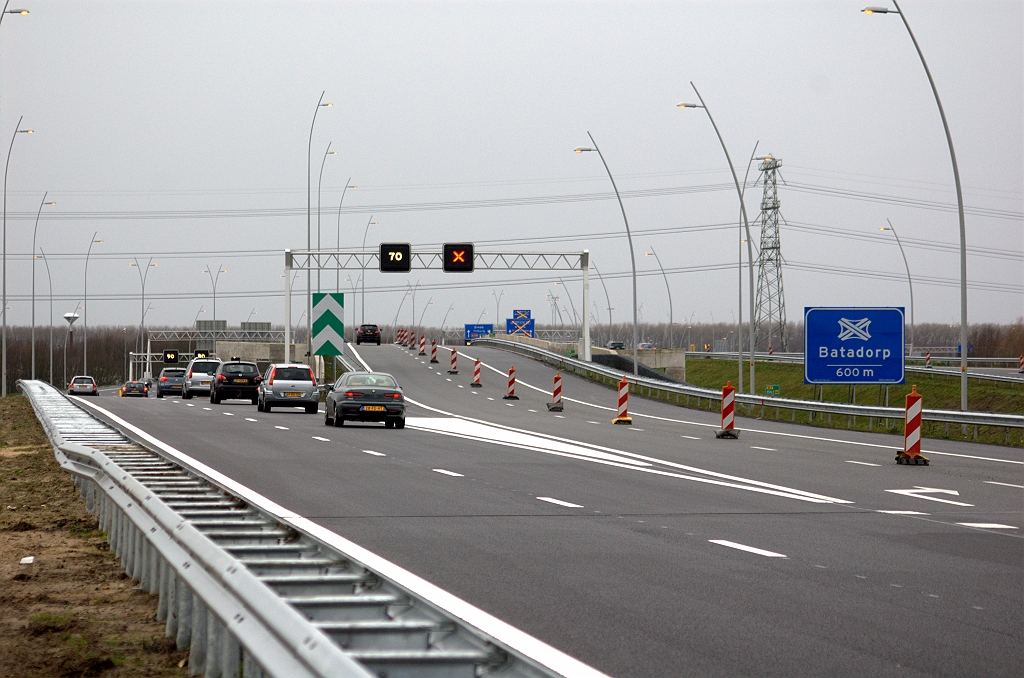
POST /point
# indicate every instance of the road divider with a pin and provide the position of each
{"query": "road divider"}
(556, 395)
(476, 374)
(622, 413)
(911, 453)
(510, 390)
(454, 369)
(728, 429)
(433, 351)
(423, 345)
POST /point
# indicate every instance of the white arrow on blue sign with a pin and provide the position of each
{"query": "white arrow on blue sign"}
(853, 345)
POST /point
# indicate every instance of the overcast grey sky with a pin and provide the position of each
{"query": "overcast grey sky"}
(179, 130)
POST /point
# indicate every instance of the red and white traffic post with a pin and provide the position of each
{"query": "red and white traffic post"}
(423, 344)
(911, 453)
(622, 413)
(433, 351)
(510, 392)
(476, 375)
(1020, 365)
(398, 336)
(455, 365)
(556, 395)
(728, 429)
(412, 340)
(927, 358)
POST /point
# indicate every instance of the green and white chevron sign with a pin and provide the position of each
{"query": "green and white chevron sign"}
(328, 323)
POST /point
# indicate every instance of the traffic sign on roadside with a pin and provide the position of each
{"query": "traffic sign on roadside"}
(772, 389)
(853, 345)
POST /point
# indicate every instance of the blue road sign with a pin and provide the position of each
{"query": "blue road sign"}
(853, 345)
(524, 327)
(477, 331)
(521, 315)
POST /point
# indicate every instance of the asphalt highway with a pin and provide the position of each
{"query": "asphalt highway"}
(652, 549)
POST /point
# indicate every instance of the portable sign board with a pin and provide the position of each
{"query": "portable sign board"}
(853, 345)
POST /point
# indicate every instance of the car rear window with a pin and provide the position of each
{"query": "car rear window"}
(207, 367)
(368, 328)
(378, 380)
(83, 380)
(293, 374)
(173, 373)
(239, 368)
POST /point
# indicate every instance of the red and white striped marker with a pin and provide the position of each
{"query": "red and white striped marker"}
(927, 358)
(476, 375)
(911, 453)
(412, 340)
(455, 365)
(510, 392)
(1020, 365)
(771, 350)
(433, 351)
(399, 336)
(423, 344)
(728, 429)
(556, 395)
(622, 416)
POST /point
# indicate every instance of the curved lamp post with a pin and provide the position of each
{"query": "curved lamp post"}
(213, 281)
(85, 307)
(362, 302)
(746, 224)
(959, 201)
(430, 302)
(629, 236)
(497, 303)
(49, 287)
(337, 243)
(446, 316)
(309, 223)
(142, 319)
(319, 183)
(668, 289)
(3, 306)
(910, 282)
(34, 231)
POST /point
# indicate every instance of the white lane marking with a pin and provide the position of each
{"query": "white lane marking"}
(541, 652)
(376, 454)
(597, 423)
(904, 513)
(207, 408)
(992, 482)
(531, 410)
(446, 379)
(690, 437)
(249, 419)
(510, 404)
(283, 428)
(326, 440)
(228, 414)
(748, 549)
(862, 463)
(489, 398)
(751, 430)
(559, 502)
(190, 404)
(923, 492)
(460, 386)
(558, 416)
(766, 449)
(990, 526)
(447, 473)
(634, 428)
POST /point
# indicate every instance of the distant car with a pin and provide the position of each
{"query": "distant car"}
(368, 334)
(83, 385)
(198, 376)
(135, 389)
(288, 386)
(170, 381)
(646, 346)
(365, 396)
(615, 345)
(235, 379)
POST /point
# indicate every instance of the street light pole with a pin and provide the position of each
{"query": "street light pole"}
(49, 287)
(446, 316)
(142, 305)
(213, 281)
(910, 282)
(362, 302)
(34, 231)
(746, 226)
(3, 307)
(668, 289)
(337, 244)
(607, 299)
(497, 304)
(632, 255)
(959, 201)
(309, 224)
(319, 183)
(427, 305)
(85, 307)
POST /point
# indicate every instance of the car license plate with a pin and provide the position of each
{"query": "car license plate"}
(240, 381)
(205, 383)
(373, 408)
(176, 386)
(293, 394)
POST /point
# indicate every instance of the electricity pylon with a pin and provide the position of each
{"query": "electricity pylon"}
(770, 311)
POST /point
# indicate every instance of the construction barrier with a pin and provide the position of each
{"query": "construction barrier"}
(728, 429)
(556, 395)
(412, 340)
(771, 350)
(911, 453)
(623, 411)
(423, 345)
(510, 392)
(400, 337)
(927, 358)
(455, 365)
(476, 375)
(1020, 365)
(433, 351)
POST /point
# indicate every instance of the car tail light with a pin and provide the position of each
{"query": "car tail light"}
(190, 374)
(397, 396)
(312, 376)
(270, 382)
(352, 394)
(163, 378)
(146, 389)
(221, 377)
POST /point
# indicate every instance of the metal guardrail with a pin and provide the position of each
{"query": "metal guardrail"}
(587, 369)
(247, 592)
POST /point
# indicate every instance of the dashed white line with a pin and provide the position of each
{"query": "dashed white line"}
(489, 398)
(748, 549)
(190, 404)
(633, 428)
(690, 437)
(207, 408)
(326, 440)
(531, 410)
(446, 379)
(376, 454)
(283, 428)
(989, 526)
(905, 513)
(460, 386)
(510, 404)
(862, 463)
(559, 502)
(992, 482)
(766, 449)
(249, 419)
(447, 472)
(596, 423)
(559, 416)
(228, 414)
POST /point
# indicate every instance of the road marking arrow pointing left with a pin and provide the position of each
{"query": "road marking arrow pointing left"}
(921, 493)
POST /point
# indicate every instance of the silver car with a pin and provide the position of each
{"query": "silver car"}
(198, 376)
(288, 385)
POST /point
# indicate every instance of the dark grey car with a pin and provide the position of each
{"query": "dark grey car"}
(289, 385)
(365, 396)
(170, 381)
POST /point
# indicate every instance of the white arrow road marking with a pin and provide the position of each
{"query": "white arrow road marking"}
(920, 493)
(748, 549)
(559, 502)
